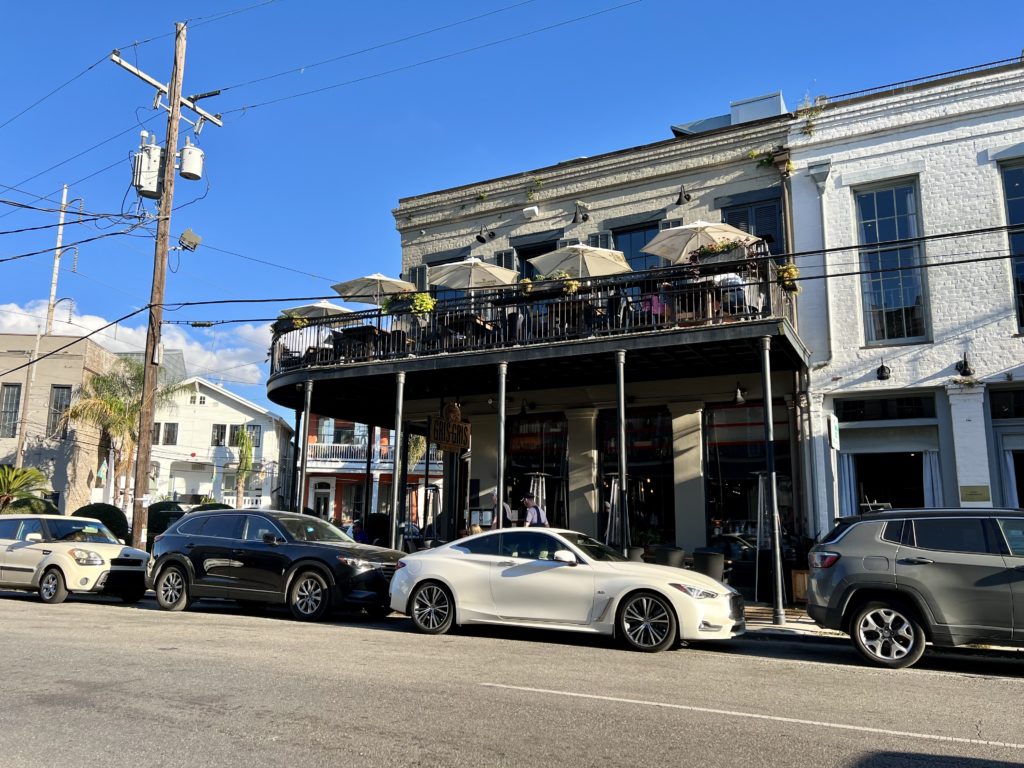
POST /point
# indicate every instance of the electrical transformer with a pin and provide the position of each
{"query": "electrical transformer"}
(146, 167)
(191, 161)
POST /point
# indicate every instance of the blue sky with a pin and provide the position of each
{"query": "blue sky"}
(309, 182)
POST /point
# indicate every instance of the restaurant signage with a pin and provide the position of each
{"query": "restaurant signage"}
(449, 432)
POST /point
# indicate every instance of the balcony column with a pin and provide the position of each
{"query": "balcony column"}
(370, 481)
(620, 381)
(396, 451)
(778, 613)
(304, 454)
(293, 486)
(499, 487)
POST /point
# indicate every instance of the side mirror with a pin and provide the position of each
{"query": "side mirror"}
(565, 556)
(33, 537)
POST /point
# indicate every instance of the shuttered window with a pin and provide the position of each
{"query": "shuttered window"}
(60, 400)
(601, 240)
(760, 219)
(10, 406)
(507, 259)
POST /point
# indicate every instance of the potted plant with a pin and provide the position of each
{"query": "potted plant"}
(787, 276)
(712, 249)
(422, 304)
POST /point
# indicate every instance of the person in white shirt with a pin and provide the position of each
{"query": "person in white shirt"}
(536, 517)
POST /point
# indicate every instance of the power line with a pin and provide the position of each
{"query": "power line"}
(433, 60)
(198, 22)
(379, 46)
(39, 209)
(101, 236)
(85, 220)
(269, 263)
(39, 101)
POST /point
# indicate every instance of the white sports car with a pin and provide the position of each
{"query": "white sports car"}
(548, 578)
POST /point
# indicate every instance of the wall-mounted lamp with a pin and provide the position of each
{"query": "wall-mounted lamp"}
(740, 397)
(684, 196)
(883, 372)
(483, 236)
(580, 214)
(963, 367)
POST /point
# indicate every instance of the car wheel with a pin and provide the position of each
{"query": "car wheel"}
(308, 596)
(646, 622)
(172, 589)
(132, 595)
(433, 609)
(887, 634)
(52, 589)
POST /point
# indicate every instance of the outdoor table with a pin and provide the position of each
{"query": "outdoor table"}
(361, 341)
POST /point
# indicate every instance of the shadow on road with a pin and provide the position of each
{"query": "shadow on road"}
(923, 760)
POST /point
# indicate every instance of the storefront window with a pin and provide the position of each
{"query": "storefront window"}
(537, 462)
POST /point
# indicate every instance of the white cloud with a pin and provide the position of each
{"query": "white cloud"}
(234, 355)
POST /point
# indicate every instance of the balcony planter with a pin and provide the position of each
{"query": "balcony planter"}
(787, 276)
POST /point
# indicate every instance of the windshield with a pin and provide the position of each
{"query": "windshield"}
(80, 530)
(593, 548)
(313, 529)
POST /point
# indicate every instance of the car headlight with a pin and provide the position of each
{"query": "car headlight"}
(86, 557)
(356, 562)
(697, 593)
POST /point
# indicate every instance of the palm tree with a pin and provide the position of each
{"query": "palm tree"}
(20, 483)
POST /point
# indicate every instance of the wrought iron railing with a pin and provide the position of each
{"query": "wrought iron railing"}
(336, 453)
(541, 313)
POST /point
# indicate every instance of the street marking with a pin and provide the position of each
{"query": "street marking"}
(773, 718)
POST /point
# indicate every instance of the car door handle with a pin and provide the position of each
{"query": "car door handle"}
(506, 562)
(916, 561)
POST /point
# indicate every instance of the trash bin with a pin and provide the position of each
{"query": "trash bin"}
(636, 554)
(672, 556)
(710, 564)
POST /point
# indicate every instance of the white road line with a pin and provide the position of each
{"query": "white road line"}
(755, 716)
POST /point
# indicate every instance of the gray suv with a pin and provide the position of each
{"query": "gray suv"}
(895, 580)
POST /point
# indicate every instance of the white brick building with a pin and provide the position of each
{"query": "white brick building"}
(896, 415)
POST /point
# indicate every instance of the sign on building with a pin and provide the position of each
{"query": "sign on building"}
(449, 432)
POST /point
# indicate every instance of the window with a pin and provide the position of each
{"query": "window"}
(763, 219)
(885, 408)
(60, 400)
(224, 526)
(9, 529)
(631, 240)
(892, 288)
(170, 434)
(191, 527)
(485, 545)
(1013, 184)
(893, 531)
(202, 399)
(10, 406)
(193, 399)
(529, 545)
(1013, 531)
(156, 433)
(325, 430)
(257, 526)
(29, 526)
(219, 435)
(957, 534)
(255, 433)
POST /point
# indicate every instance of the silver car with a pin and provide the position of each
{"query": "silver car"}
(896, 580)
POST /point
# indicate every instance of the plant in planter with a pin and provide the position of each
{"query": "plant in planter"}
(422, 304)
(787, 276)
(569, 286)
(712, 249)
(525, 286)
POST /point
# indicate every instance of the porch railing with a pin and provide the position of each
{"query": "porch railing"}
(356, 452)
(537, 314)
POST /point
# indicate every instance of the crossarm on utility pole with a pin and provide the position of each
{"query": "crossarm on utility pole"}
(215, 119)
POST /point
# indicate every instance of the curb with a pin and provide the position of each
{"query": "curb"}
(777, 635)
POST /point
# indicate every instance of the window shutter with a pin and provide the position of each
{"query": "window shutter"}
(418, 276)
(568, 241)
(767, 224)
(602, 239)
(507, 258)
(738, 217)
(670, 223)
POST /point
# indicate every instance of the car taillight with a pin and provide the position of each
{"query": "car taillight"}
(822, 559)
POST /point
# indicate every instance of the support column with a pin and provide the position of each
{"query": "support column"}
(293, 485)
(778, 612)
(370, 481)
(970, 444)
(688, 474)
(304, 456)
(374, 498)
(620, 381)
(583, 470)
(396, 452)
(499, 487)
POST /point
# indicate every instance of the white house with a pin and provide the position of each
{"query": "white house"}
(917, 355)
(195, 452)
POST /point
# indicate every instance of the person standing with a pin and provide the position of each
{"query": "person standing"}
(536, 517)
(502, 517)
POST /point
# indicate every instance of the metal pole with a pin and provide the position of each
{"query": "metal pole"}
(426, 485)
(778, 612)
(396, 451)
(151, 362)
(56, 261)
(371, 445)
(620, 378)
(304, 453)
(293, 491)
(499, 509)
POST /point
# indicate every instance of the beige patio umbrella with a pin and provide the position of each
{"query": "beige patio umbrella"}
(677, 244)
(472, 273)
(582, 261)
(318, 309)
(371, 289)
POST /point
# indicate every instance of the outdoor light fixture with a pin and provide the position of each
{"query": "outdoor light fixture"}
(684, 196)
(580, 214)
(883, 372)
(189, 240)
(739, 398)
(963, 367)
(483, 236)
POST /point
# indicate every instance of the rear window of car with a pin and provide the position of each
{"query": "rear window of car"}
(893, 531)
(191, 526)
(952, 534)
(223, 526)
(841, 527)
(1013, 531)
(485, 545)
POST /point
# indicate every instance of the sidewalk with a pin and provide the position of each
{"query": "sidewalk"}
(798, 625)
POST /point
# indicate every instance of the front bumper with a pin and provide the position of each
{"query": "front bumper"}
(719, 618)
(367, 588)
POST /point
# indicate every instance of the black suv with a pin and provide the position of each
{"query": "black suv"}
(894, 580)
(269, 557)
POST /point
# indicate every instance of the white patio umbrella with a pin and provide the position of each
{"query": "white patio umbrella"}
(582, 261)
(372, 288)
(319, 309)
(677, 244)
(472, 273)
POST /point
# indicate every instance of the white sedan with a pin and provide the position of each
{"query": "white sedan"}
(558, 579)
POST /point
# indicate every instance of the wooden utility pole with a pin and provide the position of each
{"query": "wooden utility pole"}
(151, 362)
(56, 262)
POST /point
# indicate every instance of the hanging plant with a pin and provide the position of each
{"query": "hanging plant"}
(422, 304)
(525, 286)
(787, 276)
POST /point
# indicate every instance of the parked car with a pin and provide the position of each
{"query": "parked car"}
(55, 555)
(562, 579)
(269, 557)
(896, 580)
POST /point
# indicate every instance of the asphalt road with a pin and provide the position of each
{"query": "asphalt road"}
(93, 682)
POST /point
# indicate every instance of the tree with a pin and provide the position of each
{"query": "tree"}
(244, 465)
(109, 515)
(20, 483)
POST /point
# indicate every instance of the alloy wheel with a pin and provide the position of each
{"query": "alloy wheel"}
(431, 607)
(646, 621)
(49, 585)
(172, 586)
(309, 596)
(887, 634)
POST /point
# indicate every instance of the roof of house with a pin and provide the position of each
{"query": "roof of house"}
(200, 381)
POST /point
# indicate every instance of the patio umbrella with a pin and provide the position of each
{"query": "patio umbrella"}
(582, 261)
(677, 244)
(319, 309)
(472, 273)
(372, 288)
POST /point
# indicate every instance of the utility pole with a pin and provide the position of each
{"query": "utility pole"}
(151, 362)
(56, 261)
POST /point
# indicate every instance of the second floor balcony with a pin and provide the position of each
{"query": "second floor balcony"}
(341, 454)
